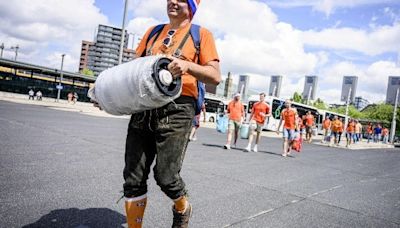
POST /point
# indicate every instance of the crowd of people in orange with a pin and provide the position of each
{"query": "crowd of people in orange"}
(297, 129)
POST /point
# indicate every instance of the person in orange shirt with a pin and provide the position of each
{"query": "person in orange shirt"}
(326, 125)
(259, 112)
(289, 116)
(236, 117)
(336, 128)
(385, 135)
(370, 131)
(351, 126)
(310, 120)
(162, 134)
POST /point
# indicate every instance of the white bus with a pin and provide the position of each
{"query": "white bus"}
(214, 105)
(277, 105)
(330, 115)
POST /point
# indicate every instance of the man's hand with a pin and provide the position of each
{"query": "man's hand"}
(178, 67)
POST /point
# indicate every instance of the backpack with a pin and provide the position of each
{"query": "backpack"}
(195, 34)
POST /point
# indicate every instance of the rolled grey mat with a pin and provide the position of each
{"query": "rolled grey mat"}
(136, 86)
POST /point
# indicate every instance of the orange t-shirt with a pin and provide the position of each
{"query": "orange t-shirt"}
(208, 51)
(385, 131)
(235, 110)
(351, 127)
(369, 129)
(337, 126)
(258, 108)
(326, 124)
(309, 120)
(300, 122)
(289, 116)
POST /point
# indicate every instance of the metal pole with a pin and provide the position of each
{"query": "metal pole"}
(346, 120)
(2, 48)
(61, 78)
(121, 47)
(16, 52)
(393, 129)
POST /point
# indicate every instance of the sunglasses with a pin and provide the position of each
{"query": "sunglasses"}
(168, 40)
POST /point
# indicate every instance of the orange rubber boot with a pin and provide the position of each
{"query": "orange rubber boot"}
(134, 211)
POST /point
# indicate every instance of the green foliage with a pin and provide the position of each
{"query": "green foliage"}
(297, 97)
(381, 112)
(320, 104)
(87, 72)
(353, 112)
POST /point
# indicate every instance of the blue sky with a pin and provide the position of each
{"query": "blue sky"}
(293, 38)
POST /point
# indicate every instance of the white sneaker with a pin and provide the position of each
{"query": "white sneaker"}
(194, 139)
(248, 148)
(227, 147)
(255, 149)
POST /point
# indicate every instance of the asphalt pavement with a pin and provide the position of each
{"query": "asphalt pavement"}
(64, 169)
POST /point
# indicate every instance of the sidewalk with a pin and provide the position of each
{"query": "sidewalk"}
(89, 109)
(63, 105)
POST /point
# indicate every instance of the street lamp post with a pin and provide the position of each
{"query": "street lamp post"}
(121, 47)
(59, 87)
(393, 128)
(2, 48)
(16, 51)
(346, 118)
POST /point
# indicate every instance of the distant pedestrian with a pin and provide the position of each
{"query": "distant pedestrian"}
(341, 131)
(377, 133)
(350, 129)
(336, 128)
(310, 122)
(31, 94)
(385, 135)
(258, 115)
(370, 131)
(300, 127)
(196, 123)
(326, 126)
(358, 131)
(236, 116)
(75, 97)
(289, 116)
(39, 95)
(70, 97)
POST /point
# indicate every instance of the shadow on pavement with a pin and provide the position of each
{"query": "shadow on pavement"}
(222, 147)
(74, 217)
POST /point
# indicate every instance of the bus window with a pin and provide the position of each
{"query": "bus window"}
(251, 103)
(277, 107)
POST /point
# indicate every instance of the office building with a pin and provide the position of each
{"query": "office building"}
(103, 53)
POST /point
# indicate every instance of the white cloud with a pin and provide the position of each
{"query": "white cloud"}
(42, 29)
(372, 79)
(380, 40)
(251, 40)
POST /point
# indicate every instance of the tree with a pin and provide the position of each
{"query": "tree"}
(381, 112)
(353, 112)
(87, 72)
(297, 97)
(320, 104)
